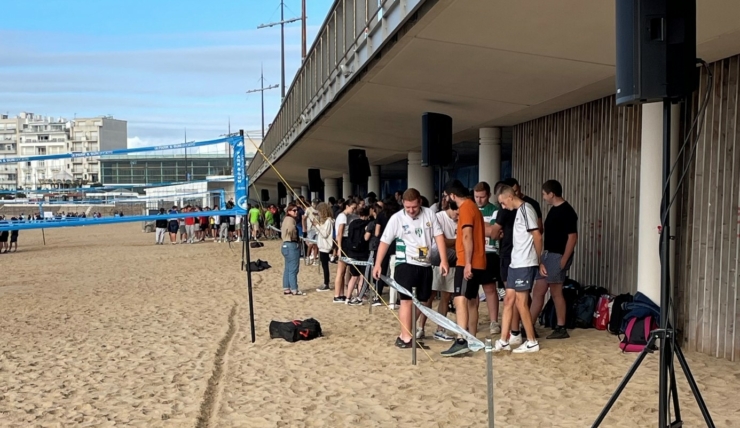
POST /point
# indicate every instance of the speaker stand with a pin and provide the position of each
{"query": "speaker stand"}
(665, 334)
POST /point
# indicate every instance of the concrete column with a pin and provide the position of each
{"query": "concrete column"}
(346, 186)
(331, 190)
(489, 155)
(289, 198)
(305, 193)
(651, 172)
(420, 177)
(373, 182)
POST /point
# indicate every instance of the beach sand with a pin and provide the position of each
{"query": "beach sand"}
(101, 328)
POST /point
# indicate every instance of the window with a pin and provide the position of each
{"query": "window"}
(98, 123)
(80, 123)
(79, 135)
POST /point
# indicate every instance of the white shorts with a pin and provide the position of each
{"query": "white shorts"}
(442, 283)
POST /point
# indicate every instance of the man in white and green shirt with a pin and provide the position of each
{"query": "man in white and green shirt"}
(413, 229)
(482, 196)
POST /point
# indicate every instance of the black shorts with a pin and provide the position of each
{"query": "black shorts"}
(409, 276)
(204, 226)
(173, 226)
(232, 228)
(356, 270)
(493, 270)
(504, 267)
(468, 288)
(4, 236)
(13, 238)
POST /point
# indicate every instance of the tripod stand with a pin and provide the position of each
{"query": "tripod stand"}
(665, 334)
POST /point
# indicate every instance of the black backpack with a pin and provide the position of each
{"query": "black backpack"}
(356, 236)
(571, 292)
(585, 311)
(295, 330)
(618, 312)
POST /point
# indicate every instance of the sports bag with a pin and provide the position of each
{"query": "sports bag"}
(637, 333)
(601, 316)
(585, 311)
(295, 330)
(618, 311)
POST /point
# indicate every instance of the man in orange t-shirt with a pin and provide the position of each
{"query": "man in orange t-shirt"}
(470, 273)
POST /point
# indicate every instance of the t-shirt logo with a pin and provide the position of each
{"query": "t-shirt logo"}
(419, 232)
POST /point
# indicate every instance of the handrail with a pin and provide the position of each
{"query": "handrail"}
(355, 19)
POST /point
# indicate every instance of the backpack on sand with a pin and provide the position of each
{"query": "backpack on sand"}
(617, 314)
(295, 330)
(585, 311)
(637, 333)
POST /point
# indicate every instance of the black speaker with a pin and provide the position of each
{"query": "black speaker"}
(436, 139)
(656, 50)
(282, 191)
(315, 183)
(265, 195)
(359, 166)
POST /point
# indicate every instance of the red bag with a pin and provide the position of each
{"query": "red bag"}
(601, 316)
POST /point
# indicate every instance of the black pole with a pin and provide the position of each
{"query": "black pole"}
(248, 263)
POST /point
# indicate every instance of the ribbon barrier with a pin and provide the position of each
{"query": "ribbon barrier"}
(474, 344)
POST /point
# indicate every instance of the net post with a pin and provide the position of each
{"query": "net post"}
(413, 328)
(489, 392)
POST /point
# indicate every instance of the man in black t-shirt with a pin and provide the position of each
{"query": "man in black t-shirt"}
(561, 236)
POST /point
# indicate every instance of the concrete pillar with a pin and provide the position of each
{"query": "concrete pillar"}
(420, 177)
(346, 186)
(289, 198)
(373, 182)
(651, 179)
(305, 193)
(331, 190)
(489, 155)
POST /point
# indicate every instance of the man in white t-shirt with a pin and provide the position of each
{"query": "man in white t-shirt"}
(525, 262)
(414, 229)
(447, 218)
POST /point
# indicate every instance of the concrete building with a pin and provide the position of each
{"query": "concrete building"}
(39, 135)
(531, 83)
(93, 134)
(9, 127)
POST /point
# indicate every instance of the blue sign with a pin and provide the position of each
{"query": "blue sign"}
(241, 183)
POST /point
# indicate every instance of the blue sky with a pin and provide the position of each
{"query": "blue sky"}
(162, 65)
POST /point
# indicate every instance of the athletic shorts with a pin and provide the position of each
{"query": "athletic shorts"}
(504, 263)
(4, 236)
(409, 276)
(555, 275)
(356, 270)
(182, 229)
(204, 226)
(13, 238)
(468, 287)
(173, 226)
(521, 279)
(232, 228)
(493, 274)
(443, 283)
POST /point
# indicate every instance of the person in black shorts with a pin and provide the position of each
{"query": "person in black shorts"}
(4, 239)
(13, 239)
(173, 225)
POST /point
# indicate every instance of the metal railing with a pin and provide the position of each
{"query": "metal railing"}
(333, 55)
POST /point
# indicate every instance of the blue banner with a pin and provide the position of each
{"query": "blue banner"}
(230, 140)
(241, 183)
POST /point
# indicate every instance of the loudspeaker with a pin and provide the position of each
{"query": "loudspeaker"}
(656, 50)
(265, 195)
(315, 183)
(282, 191)
(359, 166)
(436, 139)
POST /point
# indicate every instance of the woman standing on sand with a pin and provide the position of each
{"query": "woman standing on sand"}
(291, 252)
(341, 225)
(325, 240)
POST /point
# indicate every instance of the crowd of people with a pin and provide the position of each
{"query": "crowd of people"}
(465, 248)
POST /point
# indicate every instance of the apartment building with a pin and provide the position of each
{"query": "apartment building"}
(8, 148)
(31, 135)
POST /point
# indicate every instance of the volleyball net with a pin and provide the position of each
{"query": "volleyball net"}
(240, 180)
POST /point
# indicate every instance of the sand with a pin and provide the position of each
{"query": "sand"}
(102, 328)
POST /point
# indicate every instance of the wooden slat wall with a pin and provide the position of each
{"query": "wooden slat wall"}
(594, 151)
(708, 236)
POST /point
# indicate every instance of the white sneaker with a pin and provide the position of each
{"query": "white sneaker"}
(526, 347)
(515, 339)
(495, 328)
(482, 297)
(499, 346)
(420, 333)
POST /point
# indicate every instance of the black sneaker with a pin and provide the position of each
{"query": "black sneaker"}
(559, 333)
(377, 302)
(403, 345)
(460, 347)
(340, 299)
(323, 288)
(355, 302)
